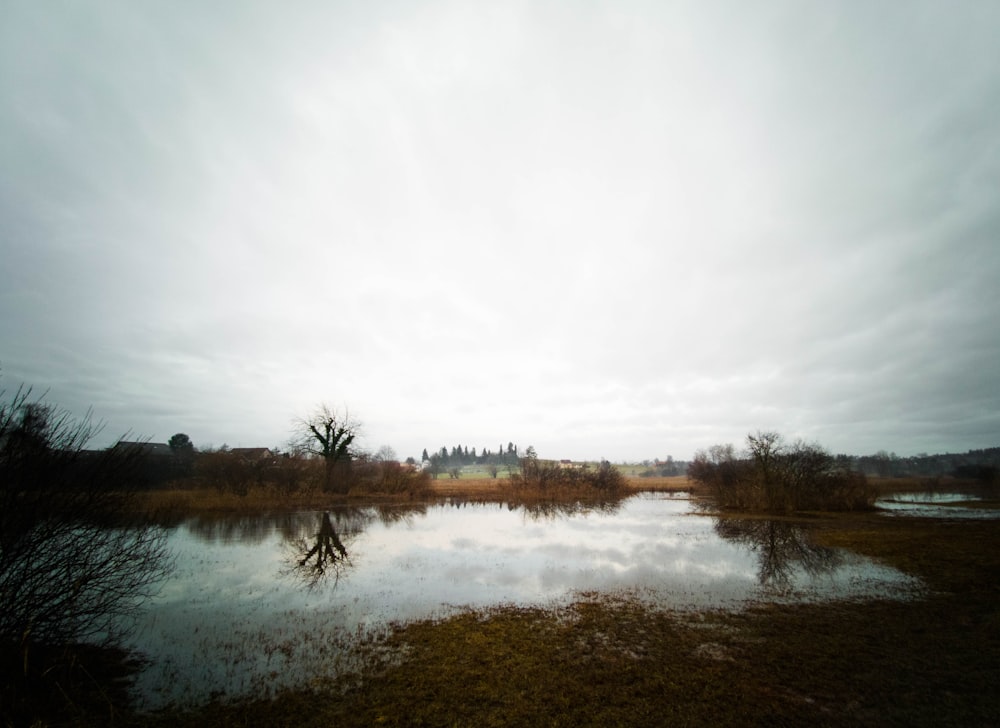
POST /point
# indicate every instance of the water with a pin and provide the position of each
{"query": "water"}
(933, 504)
(261, 603)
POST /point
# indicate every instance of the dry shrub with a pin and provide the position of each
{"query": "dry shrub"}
(773, 477)
(388, 477)
(76, 565)
(545, 478)
(223, 471)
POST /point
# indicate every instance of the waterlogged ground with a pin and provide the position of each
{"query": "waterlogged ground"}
(931, 504)
(258, 604)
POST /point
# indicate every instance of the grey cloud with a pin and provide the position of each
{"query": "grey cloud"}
(647, 232)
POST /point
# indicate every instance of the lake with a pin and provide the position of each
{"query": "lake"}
(260, 603)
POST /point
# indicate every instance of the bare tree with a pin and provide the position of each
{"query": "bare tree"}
(321, 555)
(776, 477)
(330, 435)
(75, 564)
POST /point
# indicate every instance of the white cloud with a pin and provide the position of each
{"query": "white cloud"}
(627, 230)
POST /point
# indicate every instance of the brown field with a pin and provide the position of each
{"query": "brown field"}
(490, 488)
(171, 503)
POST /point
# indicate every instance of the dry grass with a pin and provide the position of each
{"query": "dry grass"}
(501, 487)
(663, 484)
(176, 502)
(471, 488)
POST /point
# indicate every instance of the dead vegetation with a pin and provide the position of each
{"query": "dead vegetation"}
(774, 477)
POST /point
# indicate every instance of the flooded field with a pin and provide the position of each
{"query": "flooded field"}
(932, 504)
(261, 603)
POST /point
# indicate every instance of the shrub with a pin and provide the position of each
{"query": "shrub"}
(223, 471)
(287, 474)
(771, 476)
(547, 477)
(388, 477)
(74, 565)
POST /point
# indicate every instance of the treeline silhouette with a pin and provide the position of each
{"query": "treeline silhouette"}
(461, 455)
(158, 464)
(982, 464)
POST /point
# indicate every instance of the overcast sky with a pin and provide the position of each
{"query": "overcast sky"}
(605, 229)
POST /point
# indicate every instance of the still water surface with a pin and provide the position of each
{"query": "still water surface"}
(951, 505)
(260, 603)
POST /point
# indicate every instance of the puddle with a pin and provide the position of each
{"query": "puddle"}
(260, 603)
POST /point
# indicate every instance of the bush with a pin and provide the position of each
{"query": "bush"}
(548, 477)
(224, 471)
(287, 474)
(773, 477)
(388, 477)
(74, 566)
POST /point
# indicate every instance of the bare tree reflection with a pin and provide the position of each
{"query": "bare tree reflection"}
(781, 547)
(552, 510)
(321, 556)
(249, 529)
(389, 515)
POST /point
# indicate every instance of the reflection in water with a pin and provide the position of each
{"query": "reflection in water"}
(227, 528)
(325, 554)
(549, 511)
(403, 514)
(780, 547)
(227, 620)
(970, 502)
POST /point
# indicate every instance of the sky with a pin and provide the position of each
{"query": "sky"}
(604, 229)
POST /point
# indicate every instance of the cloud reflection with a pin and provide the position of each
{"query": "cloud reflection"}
(780, 547)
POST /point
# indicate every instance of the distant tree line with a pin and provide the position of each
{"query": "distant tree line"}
(663, 468)
(983, 464)
(322, 456)
(332, 443)
(460, 455)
